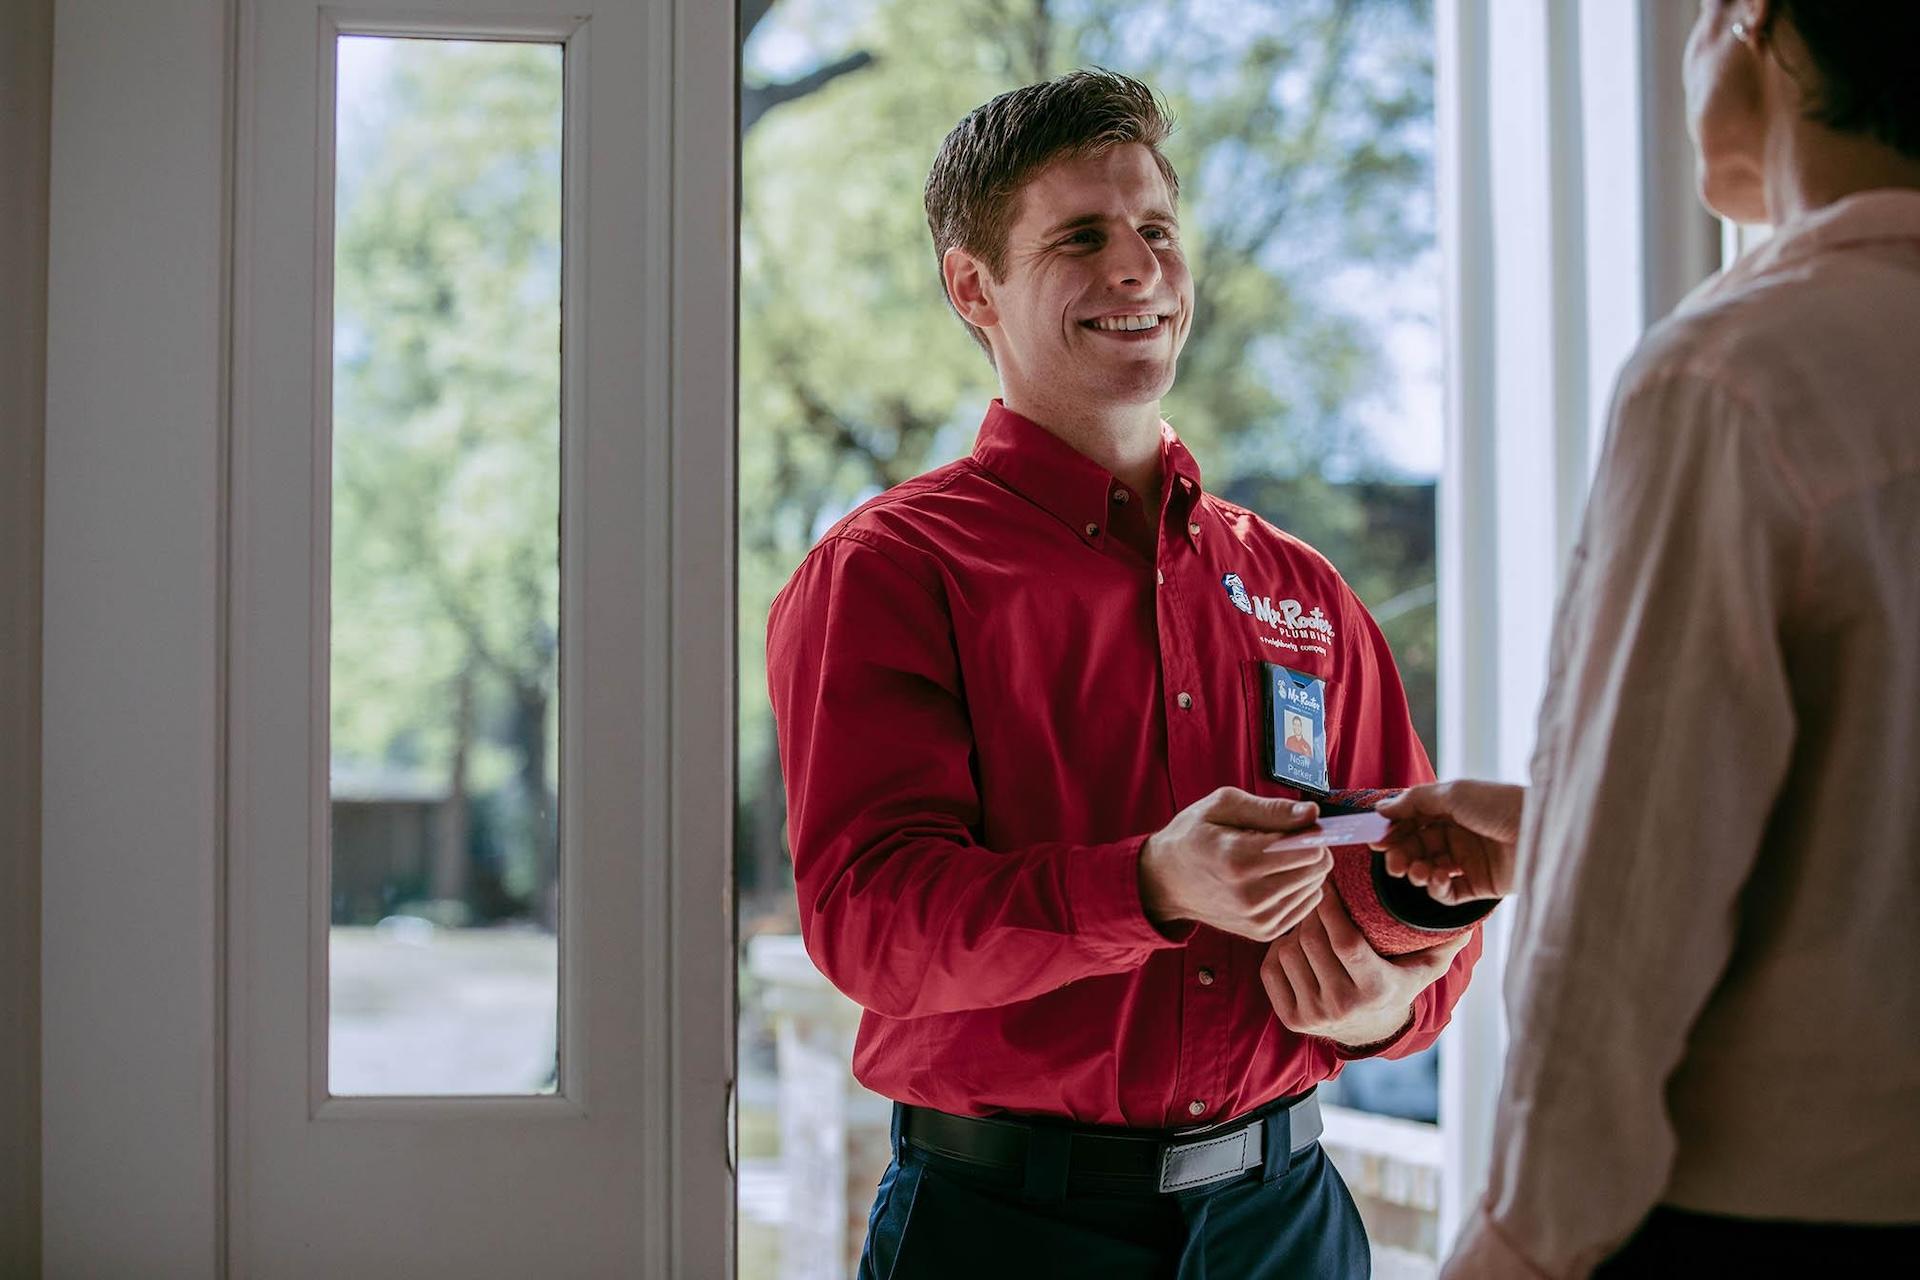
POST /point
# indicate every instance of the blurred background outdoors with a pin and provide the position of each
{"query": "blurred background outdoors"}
(446, 544)
(1310, 391)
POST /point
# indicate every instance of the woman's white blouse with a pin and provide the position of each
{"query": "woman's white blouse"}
(1714, 983)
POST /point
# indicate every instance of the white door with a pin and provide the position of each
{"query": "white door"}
(381, 1086)
(334, 1173)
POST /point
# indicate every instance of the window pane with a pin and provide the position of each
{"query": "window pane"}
(445, 568)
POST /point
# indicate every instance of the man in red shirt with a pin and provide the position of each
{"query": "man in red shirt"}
(1297, 741)
(1025, 706)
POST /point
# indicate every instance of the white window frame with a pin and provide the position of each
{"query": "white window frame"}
(137, 1169)
(1569, 223)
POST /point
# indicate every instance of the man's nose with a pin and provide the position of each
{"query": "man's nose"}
(1132, 263)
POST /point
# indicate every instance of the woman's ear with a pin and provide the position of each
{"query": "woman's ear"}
(1755, 22)
(969, 287)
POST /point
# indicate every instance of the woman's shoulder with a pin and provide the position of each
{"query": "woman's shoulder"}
(1808, 374)
(1820, 331)
(1731, 339)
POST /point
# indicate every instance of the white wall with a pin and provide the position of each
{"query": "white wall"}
(1569, 224)
(26, 72)
(130, 770)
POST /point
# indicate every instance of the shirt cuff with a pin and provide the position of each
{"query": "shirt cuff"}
(1103, 883)
(1353, 1053)
(1483, 1252)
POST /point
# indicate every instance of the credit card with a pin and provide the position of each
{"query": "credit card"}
(1341, 829)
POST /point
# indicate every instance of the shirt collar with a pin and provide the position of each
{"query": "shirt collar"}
(1055, 476)
(1865, 217)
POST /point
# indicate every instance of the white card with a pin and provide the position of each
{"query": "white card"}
(1342, 829)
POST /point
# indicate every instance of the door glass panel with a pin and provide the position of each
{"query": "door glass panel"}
(445, 612)
(1310, 391)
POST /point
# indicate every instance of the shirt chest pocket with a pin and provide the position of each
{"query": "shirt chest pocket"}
(1269, 732)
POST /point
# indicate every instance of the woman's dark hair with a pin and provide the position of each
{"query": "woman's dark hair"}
(1866, 66)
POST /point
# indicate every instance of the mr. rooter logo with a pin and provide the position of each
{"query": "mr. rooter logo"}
(1287, 616)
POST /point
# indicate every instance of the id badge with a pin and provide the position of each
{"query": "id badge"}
(1296, 746)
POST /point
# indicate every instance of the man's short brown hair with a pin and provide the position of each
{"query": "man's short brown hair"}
(973, 193)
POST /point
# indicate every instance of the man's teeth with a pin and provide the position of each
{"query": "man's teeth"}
(1126, 323)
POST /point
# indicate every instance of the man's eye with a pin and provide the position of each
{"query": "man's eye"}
(1082, 237)
(1156, 233)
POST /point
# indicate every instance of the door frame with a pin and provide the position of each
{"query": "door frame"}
(139, 473)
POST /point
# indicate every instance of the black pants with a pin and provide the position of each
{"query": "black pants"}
(935, 1219)
(1673, 1242)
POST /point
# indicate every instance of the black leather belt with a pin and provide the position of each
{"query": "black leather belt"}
(1114, 1161)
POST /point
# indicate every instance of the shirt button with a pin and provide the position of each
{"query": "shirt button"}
(1206, 977)
(1093, 531)
(1159, 577)
(1185, 700)
(1195, 1107)
(1120, 496)
(1194, 529)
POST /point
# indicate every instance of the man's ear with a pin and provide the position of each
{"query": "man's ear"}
(968, 284)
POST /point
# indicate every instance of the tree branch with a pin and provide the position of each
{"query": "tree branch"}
(1332, 77)
(751, 11)
(757, 100)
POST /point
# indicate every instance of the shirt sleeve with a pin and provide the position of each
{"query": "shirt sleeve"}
(900, 906)
(1379, 748)
(1664, 736)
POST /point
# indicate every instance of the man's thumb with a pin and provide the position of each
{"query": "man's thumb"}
(1236, 808)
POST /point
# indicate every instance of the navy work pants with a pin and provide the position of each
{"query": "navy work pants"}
(934, 1219)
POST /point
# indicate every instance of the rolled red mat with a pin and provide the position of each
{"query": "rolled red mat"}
(1396, 915)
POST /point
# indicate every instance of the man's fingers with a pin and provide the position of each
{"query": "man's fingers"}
(1258, 846)
(1291, 893)
(1300, 910)
(1299, 976)
(1315, 946)
(1291, 904)
(1291, 870)
(1232, 807)
(1279, 983)
(1342, 933)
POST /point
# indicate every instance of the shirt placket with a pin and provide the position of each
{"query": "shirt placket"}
(1193, 724)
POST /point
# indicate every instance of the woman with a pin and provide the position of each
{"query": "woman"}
(1713, 1000)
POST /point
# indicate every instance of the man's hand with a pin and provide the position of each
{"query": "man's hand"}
(1210, 864)
(1324, 980)
(1456, 839)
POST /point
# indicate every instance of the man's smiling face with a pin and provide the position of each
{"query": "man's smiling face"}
(1096, 301)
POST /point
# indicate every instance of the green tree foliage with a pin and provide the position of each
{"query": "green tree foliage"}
(1304, 144)
(446, 431)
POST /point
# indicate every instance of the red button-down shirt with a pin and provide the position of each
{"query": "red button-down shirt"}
(990, 685)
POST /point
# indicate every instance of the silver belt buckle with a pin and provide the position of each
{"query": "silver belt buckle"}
(1185, 1165)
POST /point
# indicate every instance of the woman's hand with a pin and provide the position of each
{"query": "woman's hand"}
(1455, 839)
